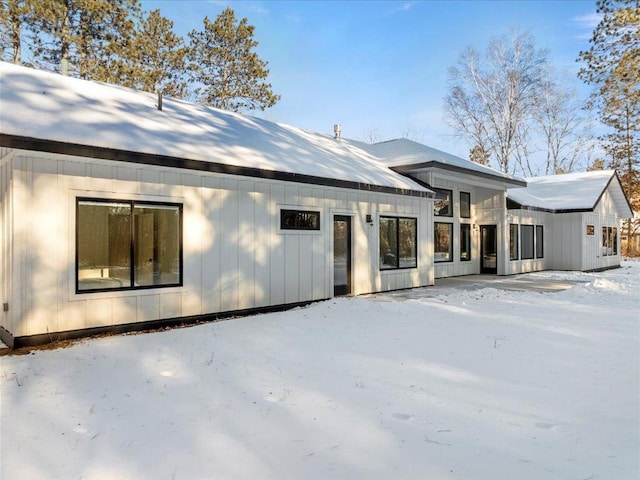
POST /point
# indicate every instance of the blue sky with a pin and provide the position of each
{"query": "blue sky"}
(383, 64)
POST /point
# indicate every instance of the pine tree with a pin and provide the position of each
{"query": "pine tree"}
(479, 155)
(227, 73)
(13, 14)
(612, 66)
(83, 38)
(158, 57)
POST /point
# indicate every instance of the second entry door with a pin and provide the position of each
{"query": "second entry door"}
(489, 249)
(341, 255)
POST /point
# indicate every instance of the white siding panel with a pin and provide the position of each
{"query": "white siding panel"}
(170, 305)
(305, 268)
(246, 242)
(229, 271)
(101, 312)
(319, 266)
(148, 308)
(291, 268)
(211, 235)
(234, 255)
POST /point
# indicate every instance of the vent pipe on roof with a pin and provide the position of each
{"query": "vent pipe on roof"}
(159, 100)
(336, 131)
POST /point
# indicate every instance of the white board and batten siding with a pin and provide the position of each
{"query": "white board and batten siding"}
(533, 218)
(5, 228)
(575, 248)
(487, 208)
(235, 255)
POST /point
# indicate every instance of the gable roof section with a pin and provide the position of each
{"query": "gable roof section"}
(571, 192)
(407, 156)
(48, 112)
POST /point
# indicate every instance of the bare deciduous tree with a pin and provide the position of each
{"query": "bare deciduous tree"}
(373, 135)
(560, 121)
(492, 95)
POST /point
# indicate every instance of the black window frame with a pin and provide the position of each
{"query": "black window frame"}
(451, 242)
(132, 274)
(530, 234)
(467, 211)
(514, 242)
(301, 216)
(384, 265)
(609, 241)
(443, 194)
(465, 240)
(539, 241)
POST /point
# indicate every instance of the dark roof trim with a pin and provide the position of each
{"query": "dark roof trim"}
(550, 210)
(517, 206)
(453, 168)
(52, 146)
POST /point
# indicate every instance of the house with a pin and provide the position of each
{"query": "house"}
(470, 219)
(121, 211)
(117, 214)
(567, 222)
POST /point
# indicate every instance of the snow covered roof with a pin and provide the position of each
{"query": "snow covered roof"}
(408, 156)
(46, 111)
(571, 192)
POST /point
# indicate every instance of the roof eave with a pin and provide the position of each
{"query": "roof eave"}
(103, 153)
(415, 167)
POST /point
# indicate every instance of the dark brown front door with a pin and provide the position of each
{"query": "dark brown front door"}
(341, 255)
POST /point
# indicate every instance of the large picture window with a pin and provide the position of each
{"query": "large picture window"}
(398, 242)
(465, 242)
(539, 241)
(443, 242)
(513, 242)
(124, 245)
(442, 206)
(527, 245)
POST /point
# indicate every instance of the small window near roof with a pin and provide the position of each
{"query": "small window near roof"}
(299, 220)
(465, 204)
(442, 205)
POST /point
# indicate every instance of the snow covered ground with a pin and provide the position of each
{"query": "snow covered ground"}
(452, 384)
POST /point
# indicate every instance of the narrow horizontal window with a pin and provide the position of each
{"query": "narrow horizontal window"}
(299, 220)
(126, 245)
(398, 242)
(443, 242)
